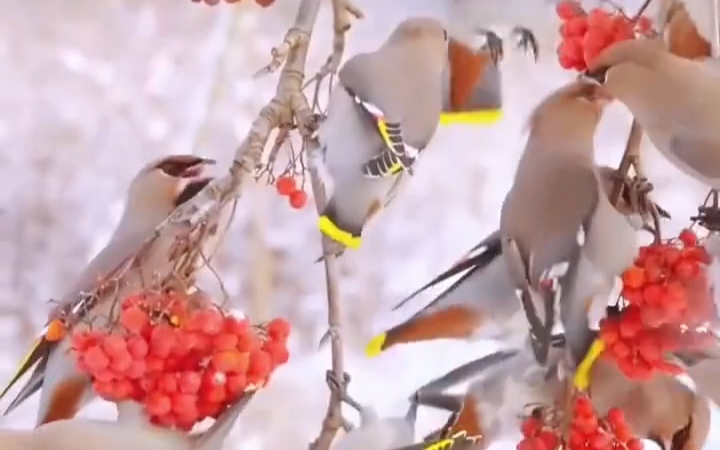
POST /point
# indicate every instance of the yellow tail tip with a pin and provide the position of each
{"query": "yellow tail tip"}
(581, 380)
(329, 229)
(480, 117)
(375, 346)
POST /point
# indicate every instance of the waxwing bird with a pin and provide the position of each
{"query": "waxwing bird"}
(661, 409)
(154, 193)
(556, 224)
(481, 303)
(382, 113)
(501, 386)
(675, 100)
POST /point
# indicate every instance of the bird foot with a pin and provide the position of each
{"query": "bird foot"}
(493, 46)
(339, 388)
(526, 41)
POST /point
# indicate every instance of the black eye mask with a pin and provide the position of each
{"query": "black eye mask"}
(185, 166)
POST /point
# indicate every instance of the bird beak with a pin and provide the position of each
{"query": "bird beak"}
(196, 168)
(595, 77)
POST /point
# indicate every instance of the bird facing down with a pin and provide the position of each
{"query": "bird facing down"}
(562, 240)
(153, 194)
(481, 303)
(381, 115)
(675, 100)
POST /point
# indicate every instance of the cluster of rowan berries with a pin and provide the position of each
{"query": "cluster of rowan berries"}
(263, 3)
(668, 307)
(286, 186)
(585, 35)
(182, 365)
(587, 431)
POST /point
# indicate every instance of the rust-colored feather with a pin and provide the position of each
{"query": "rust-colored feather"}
(466, 67)
(684, 39)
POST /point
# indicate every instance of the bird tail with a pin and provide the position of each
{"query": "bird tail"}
(37, 357)
(333, 227)
(450, 315)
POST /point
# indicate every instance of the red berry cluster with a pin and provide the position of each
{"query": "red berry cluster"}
(587, 430)
(182, 364)
(668, 306)
(286, 186)
(263, 3)
(585, 35)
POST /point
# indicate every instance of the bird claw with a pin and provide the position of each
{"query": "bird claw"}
(526, 41)
(494, 46)
(336, 386)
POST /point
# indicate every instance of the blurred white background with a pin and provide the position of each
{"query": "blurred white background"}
(91, 90)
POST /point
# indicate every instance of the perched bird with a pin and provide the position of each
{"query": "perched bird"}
(382, 113)
(501, 387)
(154, 193)
(481, 302)
(561, 238)
(675, 100)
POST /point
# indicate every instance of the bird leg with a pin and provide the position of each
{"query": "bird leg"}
(493, 45)
(709, 215)
(526, 41)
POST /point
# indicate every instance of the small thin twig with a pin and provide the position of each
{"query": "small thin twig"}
(333, 418)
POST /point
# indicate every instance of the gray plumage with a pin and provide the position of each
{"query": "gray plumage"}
(402, 82)
(676, 100)
(153, 194)
(555, 224)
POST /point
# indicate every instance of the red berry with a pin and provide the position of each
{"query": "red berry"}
(229, 361)
(121, 362)
(688, 237)
(530, 427)
(158, 404)
(225, 341)
(235, 385)
(643, 24)
(568, 9)
(298, 199)
(134, 320)
(137, 347)
(80, 341)
(236, 326)
(550, 439)
(248, 342)
(285, 185)
(278, 329)
(277, 351)
(168, 383)
(634, 444)
(162, 340)
(260, 364)
(264, 3)
(189, 382)
(95, 359)
(615, 416)
(137, 370)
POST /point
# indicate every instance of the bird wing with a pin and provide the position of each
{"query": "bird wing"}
(474, 260)
(110, 258)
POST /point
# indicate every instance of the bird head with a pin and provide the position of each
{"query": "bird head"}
(621, 63)
(576, 107)
(426, 34)
(166, 183)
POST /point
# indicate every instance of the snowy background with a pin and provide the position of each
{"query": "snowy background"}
(92, 90)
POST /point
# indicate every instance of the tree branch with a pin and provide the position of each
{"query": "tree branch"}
(333, 417)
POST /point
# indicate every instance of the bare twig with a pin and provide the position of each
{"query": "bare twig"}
(333, 418)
